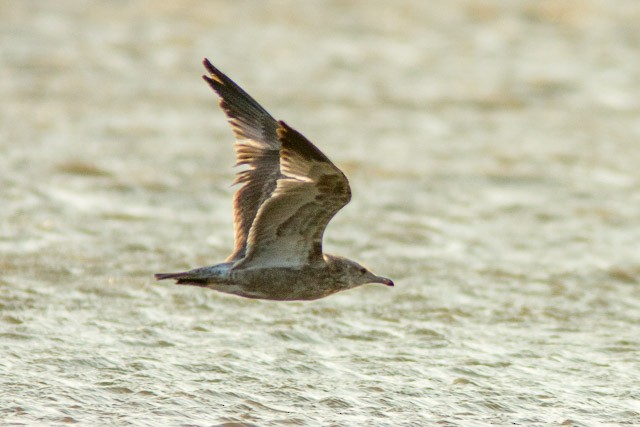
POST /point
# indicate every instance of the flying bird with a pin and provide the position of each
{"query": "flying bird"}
(290, 191)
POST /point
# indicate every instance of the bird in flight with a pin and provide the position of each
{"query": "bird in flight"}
(290, 191)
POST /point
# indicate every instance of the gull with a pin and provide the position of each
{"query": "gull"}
(290, 191)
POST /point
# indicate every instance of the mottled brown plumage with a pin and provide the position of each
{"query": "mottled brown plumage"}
(290, 191)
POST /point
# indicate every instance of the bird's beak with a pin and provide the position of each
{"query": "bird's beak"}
(383, 280)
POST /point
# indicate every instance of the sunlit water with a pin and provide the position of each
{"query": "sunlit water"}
(493, 150)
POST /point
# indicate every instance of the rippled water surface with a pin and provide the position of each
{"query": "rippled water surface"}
(493, 150)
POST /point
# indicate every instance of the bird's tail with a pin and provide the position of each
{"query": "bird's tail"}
(183, 278)
(163, 276)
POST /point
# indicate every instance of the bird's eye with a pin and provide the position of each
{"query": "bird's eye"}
(363, 270)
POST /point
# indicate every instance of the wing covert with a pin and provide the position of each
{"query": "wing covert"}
(290, 224)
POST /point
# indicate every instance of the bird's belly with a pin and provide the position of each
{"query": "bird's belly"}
(281, 284)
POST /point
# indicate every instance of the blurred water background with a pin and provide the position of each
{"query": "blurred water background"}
(493, 150)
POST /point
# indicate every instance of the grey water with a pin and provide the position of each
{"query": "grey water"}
(492, 149)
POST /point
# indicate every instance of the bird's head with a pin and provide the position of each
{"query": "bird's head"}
(355, 274)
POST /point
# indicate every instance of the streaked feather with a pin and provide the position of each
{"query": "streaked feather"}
(290, 224)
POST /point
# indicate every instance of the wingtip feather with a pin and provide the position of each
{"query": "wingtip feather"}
(215, 76)
(209, 66)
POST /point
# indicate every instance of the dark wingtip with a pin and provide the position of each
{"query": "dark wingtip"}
(208, 80)
(216, 78)
(209, 66)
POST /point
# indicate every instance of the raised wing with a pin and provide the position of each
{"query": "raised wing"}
(288, 227)
(257, 146)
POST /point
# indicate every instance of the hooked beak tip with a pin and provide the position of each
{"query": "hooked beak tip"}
(386, 281)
